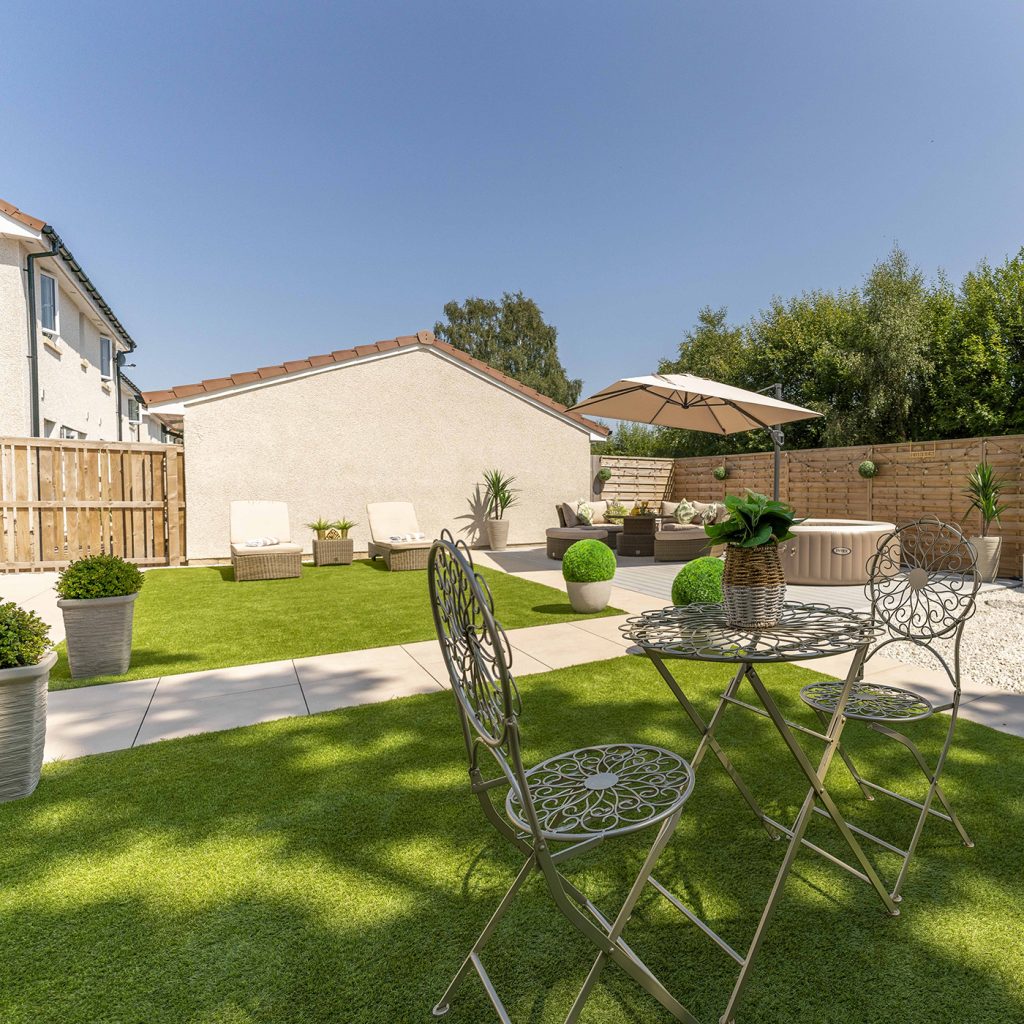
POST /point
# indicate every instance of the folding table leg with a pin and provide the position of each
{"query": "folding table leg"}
(707, 734)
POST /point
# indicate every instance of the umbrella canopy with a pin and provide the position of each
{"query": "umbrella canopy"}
(687, 402)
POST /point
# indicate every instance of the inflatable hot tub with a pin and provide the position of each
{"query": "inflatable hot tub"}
(831, 552)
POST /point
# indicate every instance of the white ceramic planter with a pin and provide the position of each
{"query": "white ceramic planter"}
(23, 726)
(589, 597)
(987, 551)
(497, 534)
(99, 635)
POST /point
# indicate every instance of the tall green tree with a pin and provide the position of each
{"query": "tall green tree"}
(512, 336)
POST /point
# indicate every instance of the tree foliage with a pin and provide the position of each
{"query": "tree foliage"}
(896, 359)
(511, 336)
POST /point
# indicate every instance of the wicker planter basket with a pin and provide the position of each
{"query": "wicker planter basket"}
(23, 726)
(753, 586)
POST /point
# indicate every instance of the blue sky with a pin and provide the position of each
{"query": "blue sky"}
(248, 183)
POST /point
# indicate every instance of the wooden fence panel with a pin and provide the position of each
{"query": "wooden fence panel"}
(637, 479)
(61, 500)
(914, 479)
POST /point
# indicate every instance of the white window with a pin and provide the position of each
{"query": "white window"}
(106, 359)
(70, 434)
(49, 314)
(133, 410)
(49, 428)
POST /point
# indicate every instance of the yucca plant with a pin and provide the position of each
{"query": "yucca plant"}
(320, 526)
(499, 494)
(343, 526)
(984, 489)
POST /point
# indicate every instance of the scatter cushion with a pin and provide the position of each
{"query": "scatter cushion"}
(584, 513)
(569, 514)
(684, 513)
(599, 508)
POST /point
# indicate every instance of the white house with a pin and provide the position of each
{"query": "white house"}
(61, 346)
(412, 418)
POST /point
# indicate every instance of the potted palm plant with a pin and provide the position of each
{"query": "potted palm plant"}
(588, 567)
(984, 489)
(320, 527)
(25, 662)
(753, 584)
(97, 598)
(499, 496)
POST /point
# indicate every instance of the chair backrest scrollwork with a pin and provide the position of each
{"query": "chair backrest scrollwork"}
(478, 657)
(923, 581)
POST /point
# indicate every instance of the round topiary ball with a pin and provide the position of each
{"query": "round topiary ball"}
(588, 561)
(699, 582)
(720, 472)
(867, 469)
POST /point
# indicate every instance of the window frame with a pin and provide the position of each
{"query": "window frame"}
(53, 332)
(138, 412)
(106, 372)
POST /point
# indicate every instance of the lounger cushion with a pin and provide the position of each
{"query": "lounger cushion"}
(259, 519)
(390, 519)
(405, 545)
(269, 549)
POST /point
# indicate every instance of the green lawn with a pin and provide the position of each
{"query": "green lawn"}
(192, 619)
(335, 869)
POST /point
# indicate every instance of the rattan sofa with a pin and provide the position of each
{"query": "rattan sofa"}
(260, 520)
(388, 519)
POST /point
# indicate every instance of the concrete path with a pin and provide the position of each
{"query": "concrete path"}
(113, 716)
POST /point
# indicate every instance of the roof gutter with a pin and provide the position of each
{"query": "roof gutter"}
(33, 328)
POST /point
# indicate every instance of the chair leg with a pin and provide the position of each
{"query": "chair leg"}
(847, 760)
(639, 971)
(473, 957)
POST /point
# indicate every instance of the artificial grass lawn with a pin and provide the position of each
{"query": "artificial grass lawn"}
(337, 869)
(192, 619)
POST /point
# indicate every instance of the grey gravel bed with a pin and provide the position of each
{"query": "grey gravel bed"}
(992, 649)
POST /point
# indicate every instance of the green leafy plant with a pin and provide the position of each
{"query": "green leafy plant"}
(616, 512)
(319, 526)
(588, 561)
(604, 474)
(867, 469)
(24, 637)
(98, 576)
(984, 489)
(699, 582)
(499, 494)
(343, 526)
(753, 521)
(720, 472)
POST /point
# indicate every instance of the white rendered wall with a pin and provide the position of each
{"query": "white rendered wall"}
(410, 427)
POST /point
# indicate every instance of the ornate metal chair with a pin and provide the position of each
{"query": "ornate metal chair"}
(564, 806)
(922, 586)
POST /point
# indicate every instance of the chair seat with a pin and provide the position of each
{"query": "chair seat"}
(869, 702)
(606, 790)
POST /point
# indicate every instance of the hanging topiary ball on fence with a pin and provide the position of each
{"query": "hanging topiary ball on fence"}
(699, 582)
(867, 469)
(720, 472)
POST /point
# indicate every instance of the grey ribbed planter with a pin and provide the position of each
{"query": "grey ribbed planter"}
(99, 634)
(23, 726)
(497, 534)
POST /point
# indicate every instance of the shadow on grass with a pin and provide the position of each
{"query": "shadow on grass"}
(337, 868)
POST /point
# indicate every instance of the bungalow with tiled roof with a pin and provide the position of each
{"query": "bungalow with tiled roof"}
(412, 418)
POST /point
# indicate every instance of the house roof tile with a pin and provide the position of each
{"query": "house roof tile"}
(347, 355)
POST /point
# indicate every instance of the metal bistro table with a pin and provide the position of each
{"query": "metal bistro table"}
(699, 632)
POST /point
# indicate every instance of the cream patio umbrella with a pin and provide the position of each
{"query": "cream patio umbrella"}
(686, 402)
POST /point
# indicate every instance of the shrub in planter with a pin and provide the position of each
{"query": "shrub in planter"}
(97, 598)
(720, 472)
(25, 663)
(699, 582)
(499, 496)
(867, 469)
(588, 567)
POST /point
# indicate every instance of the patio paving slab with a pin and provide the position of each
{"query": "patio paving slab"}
(428, 655)
(170, 718)
(562, 644)
(361, 677)
(219, 682)
(608, 628)
(1002, 711)
(74, 735)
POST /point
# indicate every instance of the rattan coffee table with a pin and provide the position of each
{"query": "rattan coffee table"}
(637, 537)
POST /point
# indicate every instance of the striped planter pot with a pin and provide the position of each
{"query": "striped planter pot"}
(99, 635)
(23, 726)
